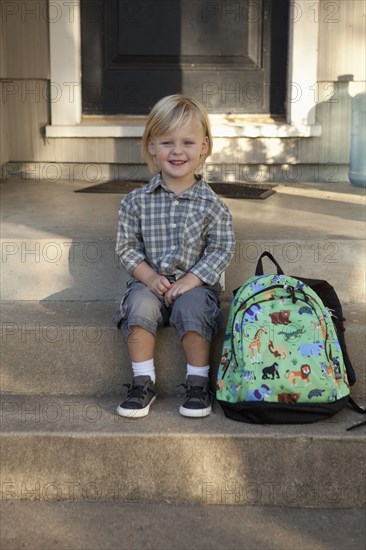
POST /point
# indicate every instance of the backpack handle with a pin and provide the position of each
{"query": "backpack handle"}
(259, 268)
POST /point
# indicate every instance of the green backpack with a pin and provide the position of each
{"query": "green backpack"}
(282, 359)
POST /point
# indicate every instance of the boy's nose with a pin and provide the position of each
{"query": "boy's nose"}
(177, 148)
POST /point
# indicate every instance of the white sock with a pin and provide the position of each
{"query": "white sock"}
(198, 371)
(144, 368)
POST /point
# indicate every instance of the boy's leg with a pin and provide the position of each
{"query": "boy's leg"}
(197, 311)
(196, 349)
(197, 317)
(140, 343)
(141, 314)
(197, 403)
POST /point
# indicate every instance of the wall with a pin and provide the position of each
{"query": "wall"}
(26, 96)
(341, 75)
(4, 137)
(4, 134)
(24, 74)
(342, 40)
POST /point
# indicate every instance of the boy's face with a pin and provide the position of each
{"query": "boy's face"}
(178, 153)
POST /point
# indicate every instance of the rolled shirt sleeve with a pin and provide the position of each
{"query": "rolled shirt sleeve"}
(219, 250)
(129, 244)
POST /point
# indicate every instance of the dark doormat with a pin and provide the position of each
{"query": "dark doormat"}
(242, 190)
(230, 190)
(112, 186)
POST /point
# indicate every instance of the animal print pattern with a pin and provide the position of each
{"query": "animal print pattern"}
(280, 346)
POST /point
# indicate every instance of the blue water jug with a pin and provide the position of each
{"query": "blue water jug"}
(357, 165)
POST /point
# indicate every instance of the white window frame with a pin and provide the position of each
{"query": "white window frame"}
(66, 93)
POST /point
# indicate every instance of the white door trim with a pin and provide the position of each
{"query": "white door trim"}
(66, 92)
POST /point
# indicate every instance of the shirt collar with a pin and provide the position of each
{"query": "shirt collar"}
(200, 189)
(155, 182)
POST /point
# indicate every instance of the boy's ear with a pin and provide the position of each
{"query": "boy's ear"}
(205, 146)
(151, 146)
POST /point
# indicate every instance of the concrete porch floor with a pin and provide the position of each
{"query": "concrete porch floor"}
(329, 209)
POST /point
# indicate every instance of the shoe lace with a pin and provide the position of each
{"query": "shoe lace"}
(135, 391)
(195, 391)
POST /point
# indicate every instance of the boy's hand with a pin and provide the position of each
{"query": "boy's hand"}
(185, 283)
(159, 284)
(153, 280)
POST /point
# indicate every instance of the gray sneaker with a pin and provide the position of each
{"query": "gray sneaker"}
(198, 397)
(140, 395)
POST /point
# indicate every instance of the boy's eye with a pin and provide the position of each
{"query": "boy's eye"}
(169, 142)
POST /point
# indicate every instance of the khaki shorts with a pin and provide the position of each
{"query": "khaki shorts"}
(197, 310)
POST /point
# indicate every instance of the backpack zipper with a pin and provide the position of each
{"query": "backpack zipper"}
(261, 301)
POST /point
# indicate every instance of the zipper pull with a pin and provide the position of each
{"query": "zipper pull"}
(330, 312)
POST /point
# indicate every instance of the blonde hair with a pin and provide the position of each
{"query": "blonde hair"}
(168, 114)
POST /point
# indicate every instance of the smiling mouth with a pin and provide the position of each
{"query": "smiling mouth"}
(177, 162)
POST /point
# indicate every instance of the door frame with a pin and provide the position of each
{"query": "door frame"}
(66, 92)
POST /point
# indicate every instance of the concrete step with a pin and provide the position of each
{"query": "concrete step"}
(57, 269)
(72, 348)
(164, 526)
(76, 448)
(59, 245)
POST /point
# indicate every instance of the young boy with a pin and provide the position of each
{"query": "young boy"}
(175, 238)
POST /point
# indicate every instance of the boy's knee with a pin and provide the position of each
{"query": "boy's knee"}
(141, 301)
(143, 308)
(190, 301)
(198, 311)
(196, 302)
(140, 307)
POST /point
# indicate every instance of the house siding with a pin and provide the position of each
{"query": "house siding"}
(27, 95)
(342, 40)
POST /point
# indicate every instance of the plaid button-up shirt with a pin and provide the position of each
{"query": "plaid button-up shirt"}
(175, 234)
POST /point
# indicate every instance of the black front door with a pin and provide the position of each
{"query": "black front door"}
(230, 55)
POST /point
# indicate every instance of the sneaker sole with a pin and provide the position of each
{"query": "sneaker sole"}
(195, 413)
(135, 413)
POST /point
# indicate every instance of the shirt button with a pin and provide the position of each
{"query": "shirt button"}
(175, 203)
(173, 247)
(174, 225)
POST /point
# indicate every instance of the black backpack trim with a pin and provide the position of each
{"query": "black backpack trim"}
(255, 412)
(329, 297)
